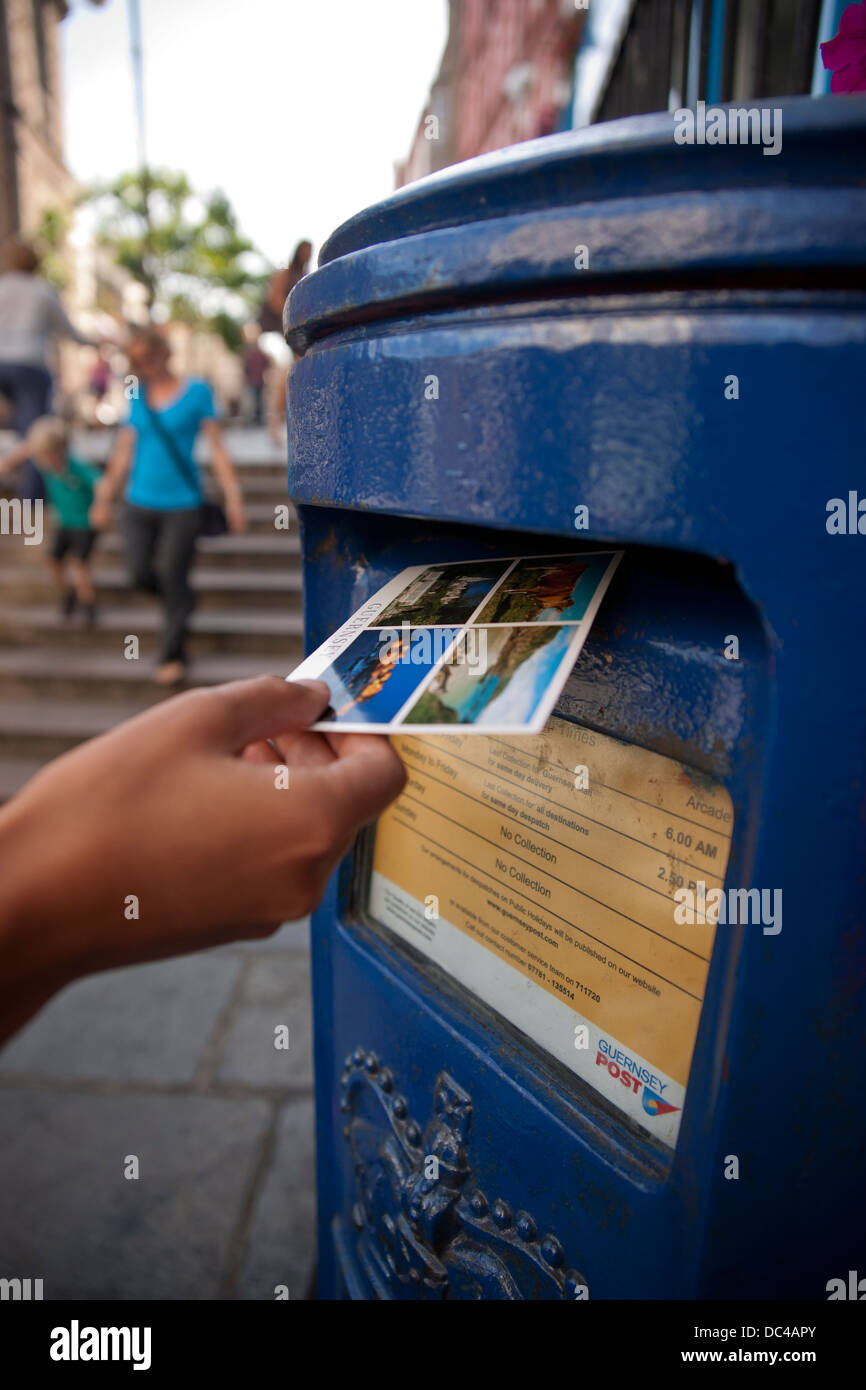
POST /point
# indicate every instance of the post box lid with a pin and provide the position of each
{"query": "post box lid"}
(621, 204)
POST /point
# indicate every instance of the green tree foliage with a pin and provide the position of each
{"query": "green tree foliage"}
(185, 249)
(49, 239)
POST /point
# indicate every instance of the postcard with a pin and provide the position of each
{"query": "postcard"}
(465, 646)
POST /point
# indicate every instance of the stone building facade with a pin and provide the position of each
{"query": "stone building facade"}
(506, 76)
(33, 176)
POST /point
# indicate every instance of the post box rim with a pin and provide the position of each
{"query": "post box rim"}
(613, 159)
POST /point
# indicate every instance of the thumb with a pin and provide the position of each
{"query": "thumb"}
(242, 712)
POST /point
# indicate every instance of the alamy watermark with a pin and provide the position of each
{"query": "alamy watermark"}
(729, 906)
(852, 1288)
(846, 518)
(21, 1290)
(77, 1343)
(424, 646)
(22, 518)
(733, 125)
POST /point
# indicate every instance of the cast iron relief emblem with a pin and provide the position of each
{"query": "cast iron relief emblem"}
(422, 1228)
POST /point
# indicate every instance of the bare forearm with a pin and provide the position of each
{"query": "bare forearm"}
(224, 470)
(34, 960)
(170, 834)
(15, 456)
(226, 477)
(109, 484)
(112, 479)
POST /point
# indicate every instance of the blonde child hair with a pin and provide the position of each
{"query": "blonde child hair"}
(49, 431)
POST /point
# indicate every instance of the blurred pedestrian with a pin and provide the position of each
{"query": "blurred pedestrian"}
(280, 285)
(256, 364)
(69, 483)
(164, 497)
(31, 315)
(100, 376)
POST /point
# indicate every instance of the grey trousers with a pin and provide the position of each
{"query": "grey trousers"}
(173, 535)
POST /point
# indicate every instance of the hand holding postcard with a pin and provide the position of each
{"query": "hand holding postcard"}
(480, 646)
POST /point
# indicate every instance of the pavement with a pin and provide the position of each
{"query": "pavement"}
(173, 1065)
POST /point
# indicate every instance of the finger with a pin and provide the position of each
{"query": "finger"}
(243, 712)
(303, 748)
(366, 776)
(344, 744)
(258, 753)
(300, 748)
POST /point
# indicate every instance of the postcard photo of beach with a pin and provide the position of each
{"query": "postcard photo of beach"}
(520, 667)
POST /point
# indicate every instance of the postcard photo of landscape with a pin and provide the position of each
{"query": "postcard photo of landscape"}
(546, 589)
(519, 669)
(444, 595)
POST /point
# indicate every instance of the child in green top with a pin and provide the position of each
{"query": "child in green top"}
(69, 485)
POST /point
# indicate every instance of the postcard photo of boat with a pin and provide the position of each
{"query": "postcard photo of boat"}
(380, 671)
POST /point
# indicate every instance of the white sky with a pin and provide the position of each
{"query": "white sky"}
(297, 109)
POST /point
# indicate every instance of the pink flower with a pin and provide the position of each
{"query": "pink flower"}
(845, 55)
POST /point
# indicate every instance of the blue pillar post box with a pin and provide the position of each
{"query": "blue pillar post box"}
(556, 1085)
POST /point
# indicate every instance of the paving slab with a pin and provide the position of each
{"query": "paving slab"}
(281, 1245)
(275, 993)
(149, 1023)
(70, 1217)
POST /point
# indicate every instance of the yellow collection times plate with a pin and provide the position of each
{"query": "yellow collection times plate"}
(540, 872)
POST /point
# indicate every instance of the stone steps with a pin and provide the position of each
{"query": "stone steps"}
(48, 706)
(48, 727)
(221, 630)
(266, 489)
(259, 487)
(84, 674)
(261, 467)
(216, 587)
(274, 549)
(261, 515)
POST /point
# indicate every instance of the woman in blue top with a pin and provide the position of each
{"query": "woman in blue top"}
(164, 495)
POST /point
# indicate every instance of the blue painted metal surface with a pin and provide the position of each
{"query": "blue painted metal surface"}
(606, 388)
(716, 47)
